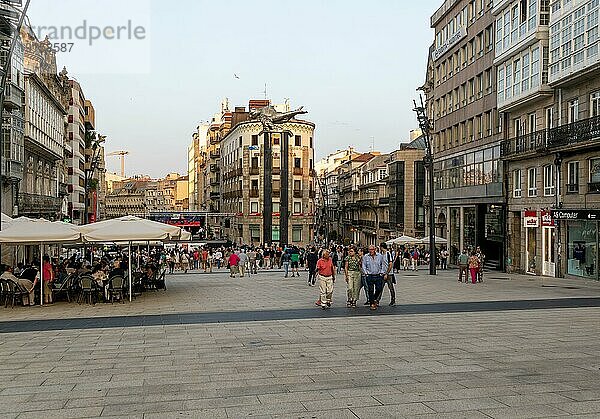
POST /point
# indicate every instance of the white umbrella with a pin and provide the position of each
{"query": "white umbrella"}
(405, 240)
(129, 229)
(438, 240)
(5, 219)
(173, 231)
(29, 231)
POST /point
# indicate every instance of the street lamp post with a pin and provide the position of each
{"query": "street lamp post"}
(93, 148)
(425, 126)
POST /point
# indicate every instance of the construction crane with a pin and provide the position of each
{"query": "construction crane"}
(122, 154)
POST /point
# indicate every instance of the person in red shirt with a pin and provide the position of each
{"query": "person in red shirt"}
(326, 273)
(204, 259)
(47, 277)
(234, 260)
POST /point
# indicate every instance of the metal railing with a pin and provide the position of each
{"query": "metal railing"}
(548, 139)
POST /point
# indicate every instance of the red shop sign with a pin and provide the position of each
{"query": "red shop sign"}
(547, 220)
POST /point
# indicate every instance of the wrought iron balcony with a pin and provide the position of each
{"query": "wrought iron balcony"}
(532, 142)
(563, 136)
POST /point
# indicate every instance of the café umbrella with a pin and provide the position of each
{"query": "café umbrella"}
(129, 230)
(27, 231)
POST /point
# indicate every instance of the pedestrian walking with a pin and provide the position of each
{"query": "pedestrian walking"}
(389, 278)
(352, 266)
(373, 267)
(252, 261)
(326, 280)
(185, 262)
(444, 259)
(295, 261)
(234, 260)
(311, 261)
(481, 258)
(242, 263)
(415, 258)
(473, 267)
(405, 259)
(285, 262)
(463, 266)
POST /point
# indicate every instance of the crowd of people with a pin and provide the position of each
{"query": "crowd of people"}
(370, 269)
(99, 265)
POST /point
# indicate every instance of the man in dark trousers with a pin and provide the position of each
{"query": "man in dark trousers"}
(311, 261)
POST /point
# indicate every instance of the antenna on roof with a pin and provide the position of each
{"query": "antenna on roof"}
(265, 91)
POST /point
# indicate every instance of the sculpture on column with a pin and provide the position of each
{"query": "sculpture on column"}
(269, 117)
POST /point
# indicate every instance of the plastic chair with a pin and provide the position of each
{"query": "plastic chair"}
(88, 291)
(115, 289)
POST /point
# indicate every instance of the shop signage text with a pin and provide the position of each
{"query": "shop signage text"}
(547, 220)
(591, 215)
(456, 37)
(531, 220)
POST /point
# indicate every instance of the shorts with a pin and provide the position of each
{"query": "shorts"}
(294, 265)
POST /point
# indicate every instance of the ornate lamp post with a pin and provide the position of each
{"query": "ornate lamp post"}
(425, 126)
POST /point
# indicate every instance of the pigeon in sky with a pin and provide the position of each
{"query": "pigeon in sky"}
(235, 75)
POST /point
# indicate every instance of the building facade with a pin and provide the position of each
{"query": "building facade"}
(268, 181)
(12, 156)
(406, 190)
(552, 152)
(461, 101)
(329, 217)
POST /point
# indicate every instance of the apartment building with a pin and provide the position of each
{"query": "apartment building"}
(268, 180)
(461, 101)
(329, 216)
(552, 150)
(12, 156)
(75, 152)
(406, 190)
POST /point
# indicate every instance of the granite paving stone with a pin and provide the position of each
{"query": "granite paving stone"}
(498, 349)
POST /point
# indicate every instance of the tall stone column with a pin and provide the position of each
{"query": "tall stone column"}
(267, 189)
(285, 189)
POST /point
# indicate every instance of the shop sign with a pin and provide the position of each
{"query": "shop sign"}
(450, 42)
(591, 215)
(531, 219)
(547, 220)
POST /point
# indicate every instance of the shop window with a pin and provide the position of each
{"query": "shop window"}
(532, 182)
(549, 180)
(582, 238)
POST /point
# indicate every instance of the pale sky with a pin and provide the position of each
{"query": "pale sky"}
(354, 65)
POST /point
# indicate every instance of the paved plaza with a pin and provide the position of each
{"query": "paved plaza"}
(212, 346)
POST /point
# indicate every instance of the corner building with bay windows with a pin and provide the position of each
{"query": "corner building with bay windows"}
(551, 150)
(461, 101)
(268, 181)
